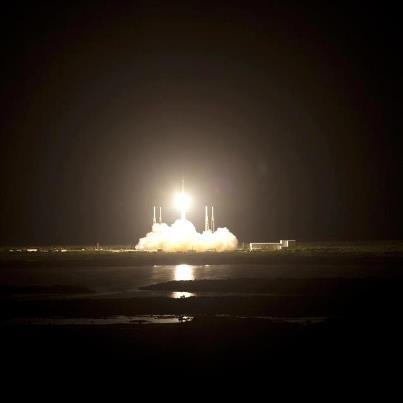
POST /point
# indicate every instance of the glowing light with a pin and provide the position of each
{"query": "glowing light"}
(184, 272)
(180, 294)
(182, 236)
(182, 203)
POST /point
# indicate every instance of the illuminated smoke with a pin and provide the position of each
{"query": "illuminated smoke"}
(182, 236)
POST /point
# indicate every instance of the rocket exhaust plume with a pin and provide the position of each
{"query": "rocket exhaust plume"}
(182, 201)
(182, 235)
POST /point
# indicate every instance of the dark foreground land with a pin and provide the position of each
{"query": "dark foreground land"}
(351, 322)
(212, 343)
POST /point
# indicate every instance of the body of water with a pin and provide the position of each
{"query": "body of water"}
(124, 281)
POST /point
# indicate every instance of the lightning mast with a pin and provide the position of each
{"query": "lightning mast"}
(212, 219)
(160, 215)
(206, 221)
(154, 220)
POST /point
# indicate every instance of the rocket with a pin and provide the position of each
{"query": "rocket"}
(154, 220)
(212, 219)
(160, 215)
(206, 221)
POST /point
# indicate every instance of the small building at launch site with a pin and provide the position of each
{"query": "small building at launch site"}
(270, 246)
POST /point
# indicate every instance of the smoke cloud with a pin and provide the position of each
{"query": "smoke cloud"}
(182, 236)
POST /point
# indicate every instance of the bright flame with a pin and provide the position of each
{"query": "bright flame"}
(182, 235)
(182, 203)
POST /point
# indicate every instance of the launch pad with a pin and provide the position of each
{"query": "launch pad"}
(182, 236)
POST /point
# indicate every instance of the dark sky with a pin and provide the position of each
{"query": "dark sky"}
(286, 117)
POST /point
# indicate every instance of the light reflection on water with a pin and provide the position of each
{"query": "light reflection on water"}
(181, 294)
(112, 320)
(125, 281)
(183, 272)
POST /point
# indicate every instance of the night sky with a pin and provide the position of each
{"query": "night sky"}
(286, 118)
